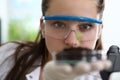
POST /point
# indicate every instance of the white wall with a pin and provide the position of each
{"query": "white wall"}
(4, 17)
(111, 20)
(111, 30)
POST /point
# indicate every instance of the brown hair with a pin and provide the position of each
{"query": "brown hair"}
(28, 53)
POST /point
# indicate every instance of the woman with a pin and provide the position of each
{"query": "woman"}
(61, 24)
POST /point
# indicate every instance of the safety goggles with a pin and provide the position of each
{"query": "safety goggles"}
(60, 26)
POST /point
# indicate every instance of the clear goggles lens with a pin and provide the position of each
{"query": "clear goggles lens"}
(60, 27)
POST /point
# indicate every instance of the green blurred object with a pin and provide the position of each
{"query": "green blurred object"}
(79, 36)
(21, 30)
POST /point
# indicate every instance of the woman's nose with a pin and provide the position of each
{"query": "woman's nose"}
(71, 39)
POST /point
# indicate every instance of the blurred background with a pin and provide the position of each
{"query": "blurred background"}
(19, 20)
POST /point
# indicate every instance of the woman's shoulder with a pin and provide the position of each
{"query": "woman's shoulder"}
(7, 60)
(8, 46)
(7, 50)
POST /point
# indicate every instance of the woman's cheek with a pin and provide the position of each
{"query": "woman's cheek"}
(89, 41)
(54, 45)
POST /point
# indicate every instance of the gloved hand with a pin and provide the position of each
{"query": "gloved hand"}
(53, 71)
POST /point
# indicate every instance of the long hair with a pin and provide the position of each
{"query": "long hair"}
(27, 53)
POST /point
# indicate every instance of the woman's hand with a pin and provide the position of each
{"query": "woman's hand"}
(53, 71)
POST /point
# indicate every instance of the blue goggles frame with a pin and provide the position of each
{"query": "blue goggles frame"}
(74, 18)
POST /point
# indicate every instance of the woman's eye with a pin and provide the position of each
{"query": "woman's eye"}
(85, 27)
(58, 24)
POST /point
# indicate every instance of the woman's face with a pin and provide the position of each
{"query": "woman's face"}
(85, 8)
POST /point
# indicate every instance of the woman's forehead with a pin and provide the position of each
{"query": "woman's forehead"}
(85, 8)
